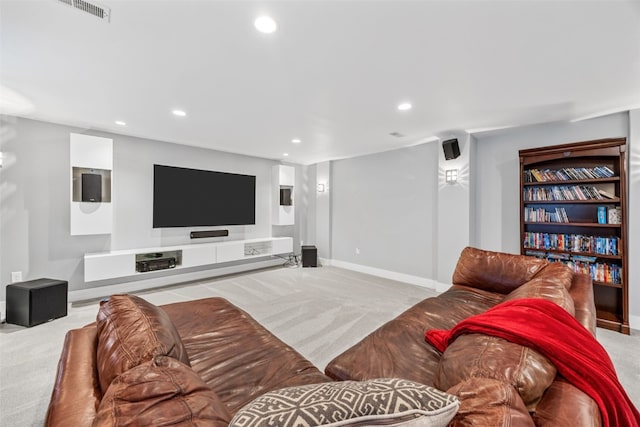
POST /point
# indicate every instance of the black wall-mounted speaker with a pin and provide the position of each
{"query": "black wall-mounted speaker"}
(451, 149)
(285, 197)
(91, 187)
(208, 233)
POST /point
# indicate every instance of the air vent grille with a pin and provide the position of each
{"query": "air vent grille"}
(94, 9)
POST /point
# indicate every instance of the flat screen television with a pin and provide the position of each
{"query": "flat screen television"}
(185, 197)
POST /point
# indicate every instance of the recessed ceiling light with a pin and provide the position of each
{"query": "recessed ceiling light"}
(296, 141)
(285, 154)
(179, 113)
(405, 106)
(120, 123)
(265, 24)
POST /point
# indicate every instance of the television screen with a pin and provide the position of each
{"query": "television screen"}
(191, 197)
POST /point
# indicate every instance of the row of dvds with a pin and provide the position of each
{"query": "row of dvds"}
(572, 243)
(567, 174)
(564, 192)
(542, 215)
(599, 271)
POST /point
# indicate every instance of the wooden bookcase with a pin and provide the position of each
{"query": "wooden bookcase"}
(573, 209)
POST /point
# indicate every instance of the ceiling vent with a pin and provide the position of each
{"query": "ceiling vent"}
(94, 9)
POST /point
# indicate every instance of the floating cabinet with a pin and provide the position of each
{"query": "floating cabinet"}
(134, 262)
(573, 209)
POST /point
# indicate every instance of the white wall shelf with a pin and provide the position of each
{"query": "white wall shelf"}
(122, 263)
(90, 154)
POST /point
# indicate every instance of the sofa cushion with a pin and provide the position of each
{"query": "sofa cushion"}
(387, 401)
(550, 283)
(161, 392)
(486, 402)
(495, 271)
(131, 331)
(481, 356)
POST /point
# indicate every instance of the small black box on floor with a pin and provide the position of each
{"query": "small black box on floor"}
(36, 301)
(309, 256)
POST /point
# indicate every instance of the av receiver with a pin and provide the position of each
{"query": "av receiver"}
(155, 264)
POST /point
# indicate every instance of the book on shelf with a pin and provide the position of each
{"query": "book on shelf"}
(606, 194)
(600, 245)
(561, 193)
(568, 174)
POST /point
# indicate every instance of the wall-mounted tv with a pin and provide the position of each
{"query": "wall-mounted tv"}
(191, 197)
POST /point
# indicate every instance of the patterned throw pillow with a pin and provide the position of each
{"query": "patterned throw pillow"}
(386, 401)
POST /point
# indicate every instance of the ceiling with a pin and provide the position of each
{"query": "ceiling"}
(332, 75)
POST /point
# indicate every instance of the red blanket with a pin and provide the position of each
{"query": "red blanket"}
(547, 328)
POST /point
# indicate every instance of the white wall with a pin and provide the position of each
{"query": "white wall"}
(323, 233)
(454, 207)
(34, 195)
(383, 206)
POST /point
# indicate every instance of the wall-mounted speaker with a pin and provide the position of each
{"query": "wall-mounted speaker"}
(91, 187)
(208, 233)
(451, 149)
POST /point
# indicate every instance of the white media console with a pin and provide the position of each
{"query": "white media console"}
(122, 263)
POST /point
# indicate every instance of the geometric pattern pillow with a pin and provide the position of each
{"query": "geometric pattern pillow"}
(385, 401)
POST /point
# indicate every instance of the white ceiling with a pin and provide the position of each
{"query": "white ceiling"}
(332, 75)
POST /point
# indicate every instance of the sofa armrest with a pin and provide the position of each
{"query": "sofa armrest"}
(582, 293)
(76, 391)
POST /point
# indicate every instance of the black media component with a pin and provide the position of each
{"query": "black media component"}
(285, 197)
(451, 149)
(191, 198)
(155, 264)
(309, 256)
(208, 233)
(91, 187)
(37, 301)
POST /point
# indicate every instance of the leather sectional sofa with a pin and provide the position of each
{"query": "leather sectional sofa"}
(199, 362)
(499, 383)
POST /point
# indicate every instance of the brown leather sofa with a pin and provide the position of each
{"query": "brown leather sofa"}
(498, 383)
(191, 363)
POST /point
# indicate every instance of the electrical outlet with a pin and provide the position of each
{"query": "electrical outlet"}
(357, 251)
(16, 276)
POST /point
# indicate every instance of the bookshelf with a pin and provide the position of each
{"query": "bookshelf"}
(573, 210)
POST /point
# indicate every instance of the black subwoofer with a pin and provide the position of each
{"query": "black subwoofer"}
(36, 301)
(309, 256)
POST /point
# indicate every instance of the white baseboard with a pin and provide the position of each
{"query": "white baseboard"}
(99, 292)
(387, 274)
(441, 287)
(634, 322)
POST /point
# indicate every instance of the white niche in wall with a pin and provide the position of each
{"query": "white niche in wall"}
(283, 203)
(91, 184)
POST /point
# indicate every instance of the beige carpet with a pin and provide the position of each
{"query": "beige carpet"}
(318, 311)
